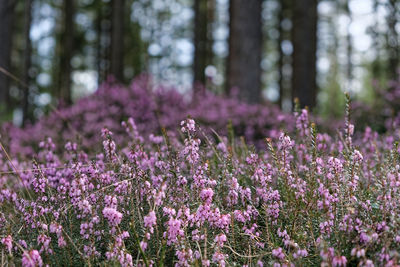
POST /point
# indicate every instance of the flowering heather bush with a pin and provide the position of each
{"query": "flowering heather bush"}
(152, 111)
(187, 200)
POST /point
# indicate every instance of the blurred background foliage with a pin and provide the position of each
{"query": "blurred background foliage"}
(52, 52)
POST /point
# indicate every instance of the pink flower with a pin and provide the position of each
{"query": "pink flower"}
(150, 219)
(7, 241)
(206, 195)
(143, 245)
(174, 230)
(220, 239)
(278, 253)
(339, 261)
(188, 125)
(219, 258)
(113, 216)
(32, 259)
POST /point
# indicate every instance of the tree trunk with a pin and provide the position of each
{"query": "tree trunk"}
(6, 25)
(245, 48)
(202, 39)
(376, 64)
(304, 38)
(66, 53)
(100, 59)
(392, 40)
(283, 58)
(349, 48)
(27, 61)
(117, 40)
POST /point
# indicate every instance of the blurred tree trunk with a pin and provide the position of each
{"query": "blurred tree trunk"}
(27, 61)
(66, 52)
(135, 49)
(392, 39)
(349, 47)
(6, 24)
(304, 38)
(376, 64)
(284, 10)
(203, 9)
(117, 40)
(245, 48)
(101, 58)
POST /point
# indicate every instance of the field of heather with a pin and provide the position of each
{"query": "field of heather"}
(162, 181)
(189, 133)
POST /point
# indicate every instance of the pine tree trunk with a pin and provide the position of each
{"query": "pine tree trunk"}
(202, 39)
(349, 48)
(6, 24)
(282, 15)
(376, 64)
(117, 40)
(101, 56)
(392, 40)
(304, 36)
(66, 53)
(245, 48)
(27, 61)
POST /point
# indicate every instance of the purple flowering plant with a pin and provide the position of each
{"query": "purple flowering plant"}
(191, 196)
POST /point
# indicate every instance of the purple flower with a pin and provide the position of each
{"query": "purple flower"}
(113, 216)
(7, 242)
(32, 259)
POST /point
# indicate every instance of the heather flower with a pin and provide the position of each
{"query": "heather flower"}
(71, 146)
(125, 259)
(174, 230)
(278, 253)
(357, 157)
(108, 144)
(113, 216)
(131, 129)
(44, 240)
(205, 262)
(143, 245)
(188, 126)
(286, 142)
(7, 242)
(301, 253)
(220, 240)
(206, 195)
(31, 259)
(185, 257)
(302, 123)
(219, 258)
(150, 220)
(359, 253)
(339, 261)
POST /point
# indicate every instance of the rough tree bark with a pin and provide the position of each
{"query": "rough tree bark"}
(304, 36)
(245, 48)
